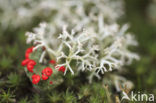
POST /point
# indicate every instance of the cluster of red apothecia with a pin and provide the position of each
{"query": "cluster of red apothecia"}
(46, 72)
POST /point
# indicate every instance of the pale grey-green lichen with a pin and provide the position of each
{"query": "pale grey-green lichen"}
(90, 36)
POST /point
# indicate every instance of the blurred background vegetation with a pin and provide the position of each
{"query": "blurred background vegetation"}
(16, 87)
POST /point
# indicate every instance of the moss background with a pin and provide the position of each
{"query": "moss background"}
(15, 87)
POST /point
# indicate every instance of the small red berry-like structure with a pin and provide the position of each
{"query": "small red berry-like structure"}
(44, 77)
(25, 62)
(62, 69)
(47, 71)
(28, 62)
(29, 50)
(30, 67)
(32, 62)
(52, 62)
(35, 79)
(27, 55)
(51, 82)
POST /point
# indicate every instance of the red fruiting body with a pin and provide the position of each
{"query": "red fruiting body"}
(35, 78)
(32, 62)
(30, 67)
(44, 77)
(30, 70)
(52, 61)
(25, 62)
(29, 50)
(62, 68)
(47, 71)
(51, 82)
(27, 55)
